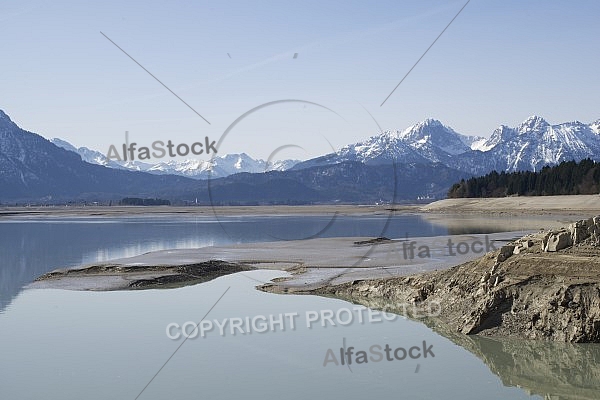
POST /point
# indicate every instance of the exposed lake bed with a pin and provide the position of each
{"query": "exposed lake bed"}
(311, 265)
(532, 293)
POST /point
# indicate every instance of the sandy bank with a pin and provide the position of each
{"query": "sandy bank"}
(561, 205)
(314, 263)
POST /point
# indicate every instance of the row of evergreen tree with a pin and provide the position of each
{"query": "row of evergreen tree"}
(569, 177)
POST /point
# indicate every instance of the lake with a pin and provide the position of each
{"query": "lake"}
(96, 345)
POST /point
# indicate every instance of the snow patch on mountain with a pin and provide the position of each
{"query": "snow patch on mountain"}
(536, 143)
(217, 167)
(424, 142)
(529, 146)
(595, 126)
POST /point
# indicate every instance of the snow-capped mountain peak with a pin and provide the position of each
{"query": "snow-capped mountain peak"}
(535, 143)
(242, 162)
(431, 135)
(533, 124)
(530, 145)
(595, 126)
(421, 129)
(424, 142)
(474, 142)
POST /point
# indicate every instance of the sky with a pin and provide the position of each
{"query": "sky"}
(499, 62)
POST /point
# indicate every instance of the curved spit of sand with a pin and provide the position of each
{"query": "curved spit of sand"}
(313, 263)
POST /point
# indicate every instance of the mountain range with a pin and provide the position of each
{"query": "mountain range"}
(217, 167)
(422, 161)
(529, 146)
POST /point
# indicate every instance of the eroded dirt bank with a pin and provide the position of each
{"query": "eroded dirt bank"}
(543, 286)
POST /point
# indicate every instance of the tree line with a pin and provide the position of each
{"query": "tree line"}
(566, 178)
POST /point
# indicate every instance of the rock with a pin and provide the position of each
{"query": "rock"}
(517, 250)
(558, 241)
(545, 240)
(485, 277)
(507, 250)
(579, 231)
(590, 223)
(522, 245)
(547, 296)
(494, 268)
(593, 228)
(497, 280)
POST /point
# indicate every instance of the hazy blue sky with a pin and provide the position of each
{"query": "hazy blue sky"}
(501, 61)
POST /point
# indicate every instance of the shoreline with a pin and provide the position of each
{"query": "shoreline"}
(313, 263)
(517, 288)
(544, 286)
(276, 210)
(547, 206)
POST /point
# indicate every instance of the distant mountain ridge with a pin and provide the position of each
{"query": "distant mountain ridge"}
(32, 169)
(529, 146)
(535, 143)
(217, 167)
(426, 158)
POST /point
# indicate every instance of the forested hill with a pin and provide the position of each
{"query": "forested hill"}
(569, 177)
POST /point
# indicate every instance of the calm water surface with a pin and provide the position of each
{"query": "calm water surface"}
(86, 345)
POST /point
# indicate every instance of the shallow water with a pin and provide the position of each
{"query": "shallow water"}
(97, 345)
(75, 345)
(32, 246)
